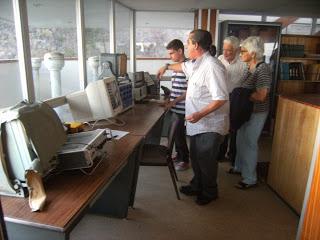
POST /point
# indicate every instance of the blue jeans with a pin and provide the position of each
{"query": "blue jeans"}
(247, 147)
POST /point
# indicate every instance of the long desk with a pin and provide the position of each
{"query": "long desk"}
(141, 119)
(109, 190)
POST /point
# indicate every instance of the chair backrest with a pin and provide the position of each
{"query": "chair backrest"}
(155, 134)
(172, 133)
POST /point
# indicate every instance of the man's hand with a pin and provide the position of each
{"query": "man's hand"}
(194, 117)
(161, 71)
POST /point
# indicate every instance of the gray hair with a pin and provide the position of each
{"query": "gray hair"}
(234, 41)
(254, 45)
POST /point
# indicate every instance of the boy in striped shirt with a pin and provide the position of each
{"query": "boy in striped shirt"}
(176, 104)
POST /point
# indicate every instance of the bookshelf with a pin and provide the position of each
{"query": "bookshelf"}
(299, 68)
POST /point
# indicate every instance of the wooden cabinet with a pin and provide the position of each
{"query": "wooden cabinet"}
(304, 50)
(297, 124)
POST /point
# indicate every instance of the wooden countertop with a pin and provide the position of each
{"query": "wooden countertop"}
(136, 122)
(70, 193)
(308, 99)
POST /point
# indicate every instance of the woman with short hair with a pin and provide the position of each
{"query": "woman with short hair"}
(258, 78)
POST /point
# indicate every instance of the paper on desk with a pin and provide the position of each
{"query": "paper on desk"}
(116, 134)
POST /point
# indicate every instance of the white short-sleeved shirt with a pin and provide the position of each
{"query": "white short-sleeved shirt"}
(206, 83)
(235, 71)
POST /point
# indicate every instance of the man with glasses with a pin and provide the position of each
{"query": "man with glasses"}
(235, 69)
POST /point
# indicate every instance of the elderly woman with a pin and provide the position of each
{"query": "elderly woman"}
(257, 78)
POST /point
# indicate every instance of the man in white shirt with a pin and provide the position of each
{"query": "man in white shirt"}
(207, 113)
(235, 70)
(231, 60)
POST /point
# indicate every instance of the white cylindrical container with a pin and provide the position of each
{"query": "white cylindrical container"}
(36, 64)
(54, 62)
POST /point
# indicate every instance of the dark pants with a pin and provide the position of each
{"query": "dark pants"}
(204, 150)
(233, 146)
(180, 138)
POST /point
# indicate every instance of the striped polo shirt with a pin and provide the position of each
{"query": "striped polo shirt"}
(179, 86)
(259, 78)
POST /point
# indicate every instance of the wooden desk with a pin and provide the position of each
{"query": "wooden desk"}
(110, 190)
(141, 119)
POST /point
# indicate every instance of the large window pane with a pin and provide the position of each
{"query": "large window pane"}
(300, 26)
(97, 34)
(156, 29)
(10, 90)
(52, 27)
(272, 18)
(122, 29)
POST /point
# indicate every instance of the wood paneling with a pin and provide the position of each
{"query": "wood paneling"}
(292, 149)
(196, 19)
(311, 226)
(213, 22)
(290, 87)
(204, 19)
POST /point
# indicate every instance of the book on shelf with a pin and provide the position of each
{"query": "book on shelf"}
(292, 71)
(292, 50)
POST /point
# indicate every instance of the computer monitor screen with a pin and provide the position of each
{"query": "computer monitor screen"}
(100, 100)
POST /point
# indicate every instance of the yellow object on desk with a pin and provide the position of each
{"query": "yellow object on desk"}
(74, 127)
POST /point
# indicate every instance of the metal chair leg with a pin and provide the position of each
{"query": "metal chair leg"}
(173, 178)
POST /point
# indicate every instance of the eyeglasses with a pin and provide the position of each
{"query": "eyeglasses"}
(243, 51)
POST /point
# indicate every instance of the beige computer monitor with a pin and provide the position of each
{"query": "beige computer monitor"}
(100, 100)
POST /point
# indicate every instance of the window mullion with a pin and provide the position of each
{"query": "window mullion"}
(23, 46)
(133, 41)
(112, 22)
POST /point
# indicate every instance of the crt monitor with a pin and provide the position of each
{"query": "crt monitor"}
(100, 100)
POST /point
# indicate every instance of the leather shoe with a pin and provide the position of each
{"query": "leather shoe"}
(203, 200)
(189, 191)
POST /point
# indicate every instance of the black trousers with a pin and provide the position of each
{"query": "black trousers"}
(180, 140)
(204, 150)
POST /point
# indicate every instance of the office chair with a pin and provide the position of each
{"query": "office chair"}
(160, 155)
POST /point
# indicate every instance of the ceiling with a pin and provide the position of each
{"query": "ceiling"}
(299, 8)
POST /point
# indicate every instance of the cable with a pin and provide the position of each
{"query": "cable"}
(117, 122)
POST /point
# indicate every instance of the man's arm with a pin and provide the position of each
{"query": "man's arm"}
(177, 67)
(214, 105)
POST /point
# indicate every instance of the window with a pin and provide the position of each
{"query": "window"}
(156, 29)
(300, 26)
(97, 34)
(10, 91)
(122, 29)
(52, 27)
(317, 30)
(238, 17)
